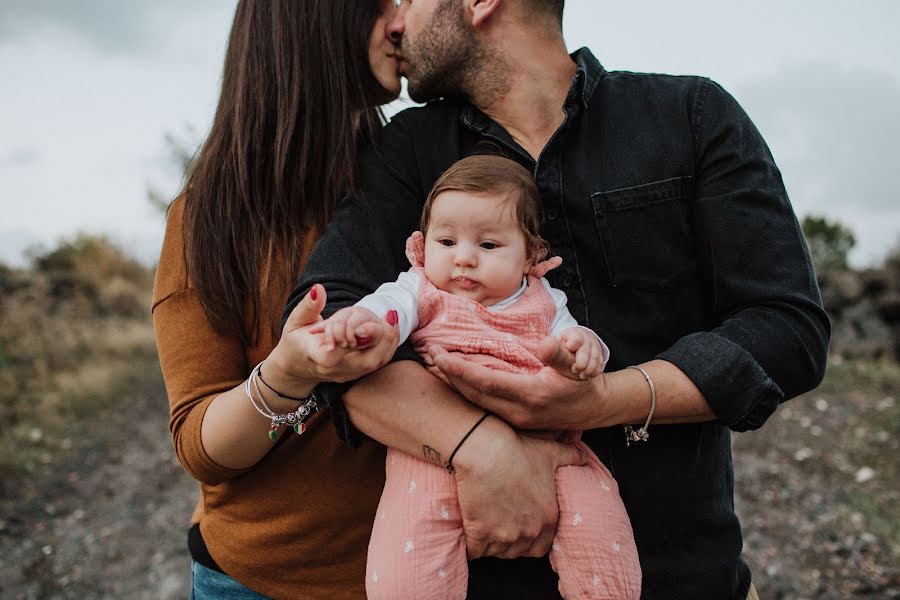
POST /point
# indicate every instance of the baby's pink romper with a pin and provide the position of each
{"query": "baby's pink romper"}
(417, 549)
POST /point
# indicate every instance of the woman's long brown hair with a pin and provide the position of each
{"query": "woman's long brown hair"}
(294, 110)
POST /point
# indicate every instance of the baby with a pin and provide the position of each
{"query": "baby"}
(477, 288)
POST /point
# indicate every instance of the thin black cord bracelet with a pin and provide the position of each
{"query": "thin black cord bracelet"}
(449, 465)
(277, 393)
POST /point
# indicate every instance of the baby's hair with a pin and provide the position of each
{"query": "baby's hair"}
(496, 175)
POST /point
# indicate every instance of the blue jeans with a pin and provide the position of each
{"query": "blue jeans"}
(207, 584)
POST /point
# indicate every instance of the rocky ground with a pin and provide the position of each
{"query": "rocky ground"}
(818, 489)
(104, 520)
(104, 517)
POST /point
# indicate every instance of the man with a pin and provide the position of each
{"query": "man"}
(680, 250)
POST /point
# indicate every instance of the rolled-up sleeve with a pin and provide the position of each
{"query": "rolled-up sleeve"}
(771, 334)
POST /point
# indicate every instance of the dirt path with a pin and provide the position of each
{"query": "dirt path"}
(817, 493)
(107, 521)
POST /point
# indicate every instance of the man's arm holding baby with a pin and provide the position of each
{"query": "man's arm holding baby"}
(504, 479)
(553, 399)
(407, 408)
(571, 391)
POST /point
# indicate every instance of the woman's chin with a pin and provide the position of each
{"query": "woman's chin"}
(386, 94)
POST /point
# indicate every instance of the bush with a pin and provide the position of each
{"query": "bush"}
(75, 334)
(91, 275)
(829, 242)
(893, 258)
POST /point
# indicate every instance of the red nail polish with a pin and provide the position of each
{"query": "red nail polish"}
(313, 293)
(363, 341)
(392, 318)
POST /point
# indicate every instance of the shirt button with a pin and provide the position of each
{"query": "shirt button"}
(552, 214)
(567, 281)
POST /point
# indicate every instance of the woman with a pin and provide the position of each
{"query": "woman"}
(288, 516)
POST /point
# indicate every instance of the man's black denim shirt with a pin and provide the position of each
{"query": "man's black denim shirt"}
(678, 242)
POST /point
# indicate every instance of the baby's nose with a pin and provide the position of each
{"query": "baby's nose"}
(464, 256)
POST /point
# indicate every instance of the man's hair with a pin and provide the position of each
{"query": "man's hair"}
(552, 8)
(496, 176)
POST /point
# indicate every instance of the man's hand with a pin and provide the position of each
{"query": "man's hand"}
(548, 399)
(507, 491)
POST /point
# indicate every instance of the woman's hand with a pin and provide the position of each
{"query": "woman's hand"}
(304, 357)
(349, 327)
(507, 490)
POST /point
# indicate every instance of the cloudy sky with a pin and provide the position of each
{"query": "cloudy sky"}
(90, 90)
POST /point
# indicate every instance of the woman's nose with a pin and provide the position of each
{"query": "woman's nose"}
(396, 27)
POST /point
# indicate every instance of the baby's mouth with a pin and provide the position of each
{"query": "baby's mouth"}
(465, 282)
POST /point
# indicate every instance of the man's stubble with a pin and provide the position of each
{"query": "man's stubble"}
(446, 58)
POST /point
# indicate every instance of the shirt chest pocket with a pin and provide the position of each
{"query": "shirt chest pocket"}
(645, 234)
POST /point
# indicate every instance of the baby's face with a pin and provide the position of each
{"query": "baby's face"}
(474, 247)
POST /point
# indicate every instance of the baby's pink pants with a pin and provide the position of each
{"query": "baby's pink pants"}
(418, 549)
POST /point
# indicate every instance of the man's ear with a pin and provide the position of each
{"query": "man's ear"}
(480, 11)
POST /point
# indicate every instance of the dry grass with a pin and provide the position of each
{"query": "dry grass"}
(75, 333)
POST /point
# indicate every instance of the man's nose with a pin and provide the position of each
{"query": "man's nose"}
(396, 27)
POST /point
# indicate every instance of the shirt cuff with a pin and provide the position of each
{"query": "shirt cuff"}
(735, 386)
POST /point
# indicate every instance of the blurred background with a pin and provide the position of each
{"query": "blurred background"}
(103, 102)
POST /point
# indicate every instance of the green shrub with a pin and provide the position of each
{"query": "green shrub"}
(829, 242)
(75, 334)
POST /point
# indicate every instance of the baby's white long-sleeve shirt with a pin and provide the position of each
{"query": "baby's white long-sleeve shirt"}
(402, 295)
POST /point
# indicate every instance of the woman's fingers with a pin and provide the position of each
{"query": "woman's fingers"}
(341, 362)
(308, 310)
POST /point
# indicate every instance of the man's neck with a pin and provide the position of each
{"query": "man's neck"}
(528, 102)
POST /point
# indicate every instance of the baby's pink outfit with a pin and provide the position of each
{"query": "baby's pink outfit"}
(418, 549)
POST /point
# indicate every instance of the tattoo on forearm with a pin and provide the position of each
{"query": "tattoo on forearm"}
(432, 455)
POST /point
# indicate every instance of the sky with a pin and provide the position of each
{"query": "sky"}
(91, 91)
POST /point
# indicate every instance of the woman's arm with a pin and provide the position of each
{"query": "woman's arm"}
(217, 432)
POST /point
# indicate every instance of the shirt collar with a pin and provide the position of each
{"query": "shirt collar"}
(588, 73)
(509, 300)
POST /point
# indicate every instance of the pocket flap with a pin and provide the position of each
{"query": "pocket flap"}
(638, 196)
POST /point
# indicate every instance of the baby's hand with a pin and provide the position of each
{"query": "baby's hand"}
(587, 350)
(350, 327)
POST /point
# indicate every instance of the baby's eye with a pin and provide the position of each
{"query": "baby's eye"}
(488, 245)
(446, 242)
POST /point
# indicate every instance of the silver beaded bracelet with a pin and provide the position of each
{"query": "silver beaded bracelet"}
(295, 418)
(642, 435)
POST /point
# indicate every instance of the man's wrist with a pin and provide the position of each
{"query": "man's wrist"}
(618, 393)
(483, 449)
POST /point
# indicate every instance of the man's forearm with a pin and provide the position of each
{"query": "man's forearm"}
(677, 398)
(403, 406)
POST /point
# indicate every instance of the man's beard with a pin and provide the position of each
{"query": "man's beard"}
(443, 60)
